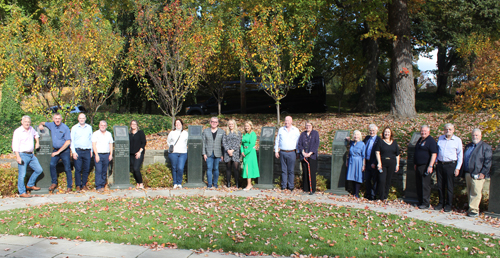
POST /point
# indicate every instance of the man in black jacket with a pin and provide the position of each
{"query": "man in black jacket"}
(371, 172)
(477, 164)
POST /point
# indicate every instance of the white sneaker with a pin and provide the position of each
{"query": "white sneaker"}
(175, 186)
(180, 186)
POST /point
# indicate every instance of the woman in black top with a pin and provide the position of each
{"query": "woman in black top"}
(137, 140)
(387, 153)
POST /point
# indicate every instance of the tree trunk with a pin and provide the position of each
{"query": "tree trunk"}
(367, 99)
(243, 88)
(278, 113)
(219, 105)
(445, 60)
(173, 122)
(403, 89)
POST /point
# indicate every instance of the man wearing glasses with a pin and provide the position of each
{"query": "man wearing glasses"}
(212, 151)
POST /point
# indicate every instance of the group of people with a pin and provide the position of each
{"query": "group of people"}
(372, 161)
(375, 160)
(228, 146)
(80, 144)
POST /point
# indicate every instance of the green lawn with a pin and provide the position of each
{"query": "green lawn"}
(243, 225)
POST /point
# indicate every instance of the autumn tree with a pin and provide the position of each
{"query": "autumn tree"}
(222, 66)
(482, 94)
(170, 51)
(280, 44)
(69, 56)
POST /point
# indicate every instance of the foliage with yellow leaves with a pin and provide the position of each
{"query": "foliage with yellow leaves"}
(170, 49)
(483, 92)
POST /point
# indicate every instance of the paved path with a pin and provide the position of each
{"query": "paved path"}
(19, 246)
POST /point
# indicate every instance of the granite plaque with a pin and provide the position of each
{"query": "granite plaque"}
(195, 159)
(44, 155)
(266, 158)
(339, 169)
(121, 159)
(494, 202)
(410, 186)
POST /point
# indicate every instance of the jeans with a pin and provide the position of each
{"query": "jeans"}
(101, 170)
(66, 159)
(178, 160)
(213, 165)
(32, 161)
(287, 169)
(82, 167)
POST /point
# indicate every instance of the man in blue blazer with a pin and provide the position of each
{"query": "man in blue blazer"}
(371, 172)
(212, 150)
(477, 163)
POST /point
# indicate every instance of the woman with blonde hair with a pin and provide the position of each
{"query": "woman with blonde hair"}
(250, 165)
(231, 142)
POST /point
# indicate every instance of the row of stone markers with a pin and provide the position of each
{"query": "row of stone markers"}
(121, 169)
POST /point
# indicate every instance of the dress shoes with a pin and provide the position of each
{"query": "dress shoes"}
(25, 195)
(438, 207)
(472, 214)
(32, 188)
(52, 187)
(423, 207)
(78, 189)
(447, 208)
(85, 188)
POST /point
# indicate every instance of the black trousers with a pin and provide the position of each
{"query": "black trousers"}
(446, 180)
(313, 164)
(135, 167)
(371, 180)
(423, 185)
(384, 178)
(234, 167)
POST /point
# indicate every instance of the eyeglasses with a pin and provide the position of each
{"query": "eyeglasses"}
(215, 122)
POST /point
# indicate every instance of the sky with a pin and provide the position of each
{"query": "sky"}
(425, 64)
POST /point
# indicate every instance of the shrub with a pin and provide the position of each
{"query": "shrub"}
(156, 175)
(8, 181)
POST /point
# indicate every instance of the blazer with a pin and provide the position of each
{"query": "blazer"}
(313, 144)
(480, 159)
(210, 145)
(373, 158)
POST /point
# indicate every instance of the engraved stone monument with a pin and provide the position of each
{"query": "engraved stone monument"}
(410, 184)
(494, 202)
(266, 158)
(121, 168)
(195, 165)
(44, 154)
(339, 169)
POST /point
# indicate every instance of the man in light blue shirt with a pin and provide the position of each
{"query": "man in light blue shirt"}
(285, 149)
(81, 147)
(449, 158)
(61, 139)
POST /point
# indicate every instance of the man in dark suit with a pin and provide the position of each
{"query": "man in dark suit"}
(371, 172)
(212, 150)
(477, 164)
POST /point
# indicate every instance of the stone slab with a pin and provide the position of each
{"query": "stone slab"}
(7, 249)
(167, 253)
(107, 250)
(188, 192)
(21, 241)
(46, 248)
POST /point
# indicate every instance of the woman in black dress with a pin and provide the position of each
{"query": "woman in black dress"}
(387, 153)
(137, 140)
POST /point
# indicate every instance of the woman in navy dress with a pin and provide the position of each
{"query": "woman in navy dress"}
(356, 162)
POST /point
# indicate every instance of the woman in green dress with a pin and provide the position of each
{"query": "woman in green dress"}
(250, 165)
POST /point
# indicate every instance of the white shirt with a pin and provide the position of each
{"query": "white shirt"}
(181, 146)
(286, 140)
(102, 141)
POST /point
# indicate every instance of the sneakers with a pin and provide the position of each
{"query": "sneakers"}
(175, 186)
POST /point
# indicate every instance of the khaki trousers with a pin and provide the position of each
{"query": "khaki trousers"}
(474, 192)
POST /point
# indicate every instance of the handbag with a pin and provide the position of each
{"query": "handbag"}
(171, 148)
